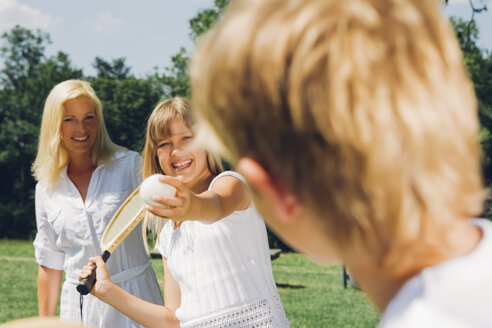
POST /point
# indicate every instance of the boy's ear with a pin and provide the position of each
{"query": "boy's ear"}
(285, 203)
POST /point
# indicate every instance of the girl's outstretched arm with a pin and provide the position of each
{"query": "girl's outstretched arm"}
(228, 194)
(145, 313)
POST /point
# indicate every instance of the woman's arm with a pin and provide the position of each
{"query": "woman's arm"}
(49, 257)
(49, 281)
(145, 313)
(228, 194)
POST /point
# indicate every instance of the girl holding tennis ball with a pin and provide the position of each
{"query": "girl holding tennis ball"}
(214, 246)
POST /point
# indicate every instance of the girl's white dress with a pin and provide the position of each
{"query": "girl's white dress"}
(69, 231)
(224, 271)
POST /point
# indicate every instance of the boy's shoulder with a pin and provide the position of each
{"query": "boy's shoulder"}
(457, 292)
(422, 314)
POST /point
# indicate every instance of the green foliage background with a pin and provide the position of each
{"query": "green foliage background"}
(28, 75)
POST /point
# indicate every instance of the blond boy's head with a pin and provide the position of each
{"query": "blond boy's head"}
(362, 109)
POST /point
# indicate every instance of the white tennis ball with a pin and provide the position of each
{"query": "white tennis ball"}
(152, 186)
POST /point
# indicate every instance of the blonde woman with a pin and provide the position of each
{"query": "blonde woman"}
(83, 177)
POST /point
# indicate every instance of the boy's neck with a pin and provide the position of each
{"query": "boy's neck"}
(381, 286)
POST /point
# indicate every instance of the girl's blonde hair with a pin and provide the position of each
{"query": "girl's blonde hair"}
(158, 128)
(52, 157)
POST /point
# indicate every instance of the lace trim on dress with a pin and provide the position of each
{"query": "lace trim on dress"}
(252, 315)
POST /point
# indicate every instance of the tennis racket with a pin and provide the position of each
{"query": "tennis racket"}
(126, 218)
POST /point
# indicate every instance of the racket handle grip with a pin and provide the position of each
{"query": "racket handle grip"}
(85, 285)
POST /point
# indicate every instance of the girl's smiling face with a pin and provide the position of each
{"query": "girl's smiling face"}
(175, 160)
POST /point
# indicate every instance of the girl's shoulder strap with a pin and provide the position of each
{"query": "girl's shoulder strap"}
(227, 173)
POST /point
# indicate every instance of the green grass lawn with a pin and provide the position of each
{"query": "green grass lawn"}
(313, 296)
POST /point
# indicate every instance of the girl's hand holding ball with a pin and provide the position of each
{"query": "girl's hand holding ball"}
(168, 197)
(151, 187)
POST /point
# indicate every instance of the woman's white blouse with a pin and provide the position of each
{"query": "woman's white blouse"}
(223, 270)
(69, 231)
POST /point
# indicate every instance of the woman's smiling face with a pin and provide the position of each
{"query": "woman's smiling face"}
(176, 160)
(79, 126)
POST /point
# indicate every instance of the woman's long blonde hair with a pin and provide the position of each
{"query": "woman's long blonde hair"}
(52, 157)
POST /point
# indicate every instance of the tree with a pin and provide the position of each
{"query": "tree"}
(117, 70)
(25, 81)
(479, 66)
(466, 32)
(205, 19)
(175, 77)
(127, 101)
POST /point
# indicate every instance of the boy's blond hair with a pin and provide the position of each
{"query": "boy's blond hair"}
(362, 108)
(52, 157)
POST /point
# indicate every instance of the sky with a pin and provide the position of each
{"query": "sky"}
(145, 32)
